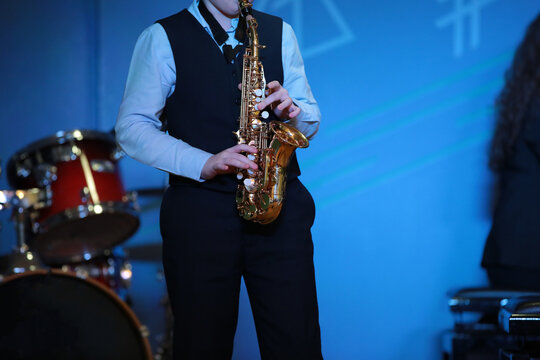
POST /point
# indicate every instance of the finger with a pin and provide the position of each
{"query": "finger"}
(236, 163)
(245, 160)
(273, 85)
(272, 98)
(285, 104)
(240, 162)
(243, 148)
(240, 86)
(295, 112)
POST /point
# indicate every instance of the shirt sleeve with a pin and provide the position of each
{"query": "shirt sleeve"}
(151, 79)
(295, 81)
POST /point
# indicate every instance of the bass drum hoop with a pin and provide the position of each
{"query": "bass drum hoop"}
(112, 297)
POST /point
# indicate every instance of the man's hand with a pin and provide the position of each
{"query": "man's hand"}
(229, 161)
(278, 96)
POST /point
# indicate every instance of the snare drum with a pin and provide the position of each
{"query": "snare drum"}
(90, 209)
(57, 315)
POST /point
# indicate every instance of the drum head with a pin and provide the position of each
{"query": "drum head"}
(74, 240)
(55, 315)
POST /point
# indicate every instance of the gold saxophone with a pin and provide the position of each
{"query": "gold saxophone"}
(260, 194)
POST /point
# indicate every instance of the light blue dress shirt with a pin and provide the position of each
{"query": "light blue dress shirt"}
(152, 79)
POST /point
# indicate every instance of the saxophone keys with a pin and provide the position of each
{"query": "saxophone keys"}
(258, 92)
(256, 124)
(241, 140)
(251, 157)
(239, 176)
(265, 115)
(249, 184)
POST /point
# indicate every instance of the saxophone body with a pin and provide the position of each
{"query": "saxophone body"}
(260, 194)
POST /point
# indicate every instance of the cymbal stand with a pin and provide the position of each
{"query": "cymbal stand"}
(22, 201)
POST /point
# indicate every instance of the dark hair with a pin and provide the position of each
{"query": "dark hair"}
(522, 81)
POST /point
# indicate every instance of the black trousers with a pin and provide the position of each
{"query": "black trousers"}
(207, 248)
(511, 277)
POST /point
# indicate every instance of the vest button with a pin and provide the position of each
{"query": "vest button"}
(238, 101)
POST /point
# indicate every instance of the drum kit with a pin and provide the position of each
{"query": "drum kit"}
(63, 291)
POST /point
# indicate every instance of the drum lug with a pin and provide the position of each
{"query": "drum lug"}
(117, 154)
(85, 193)
(82, 274)
(23, 170)
(43, 197)
(46, 174)
(35, 227)
(144, 331)
(23, 200)
(132, 197)
(102, 166)
(65, 152)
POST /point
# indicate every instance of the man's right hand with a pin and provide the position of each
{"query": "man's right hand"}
(229, 161)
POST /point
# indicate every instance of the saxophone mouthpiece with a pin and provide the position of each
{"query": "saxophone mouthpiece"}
(245, 9)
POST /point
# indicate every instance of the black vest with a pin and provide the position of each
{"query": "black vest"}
(204, 108)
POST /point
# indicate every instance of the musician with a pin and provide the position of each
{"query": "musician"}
(186, 69)
(511, 255)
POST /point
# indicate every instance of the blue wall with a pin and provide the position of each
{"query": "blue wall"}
(398, 169)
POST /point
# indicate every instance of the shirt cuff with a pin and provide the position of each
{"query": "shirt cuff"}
(306, 121)
(195, 159)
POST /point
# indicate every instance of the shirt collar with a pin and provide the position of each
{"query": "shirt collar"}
(194, 9)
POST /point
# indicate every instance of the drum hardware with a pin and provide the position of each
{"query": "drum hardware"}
(118, 154)
(90, 210)
(85, 193)
(164, 350)
(19, 262)
(46, 173)
(22, 201)
(479, 323)
(111, 269)
(102, 166)
(144, 331)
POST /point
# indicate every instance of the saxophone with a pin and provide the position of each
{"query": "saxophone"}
(260, 193)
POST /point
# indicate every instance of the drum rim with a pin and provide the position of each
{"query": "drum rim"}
(141, 329)
(84, 211)
(62, 137)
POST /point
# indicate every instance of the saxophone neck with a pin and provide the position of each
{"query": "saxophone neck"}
(251, 24)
